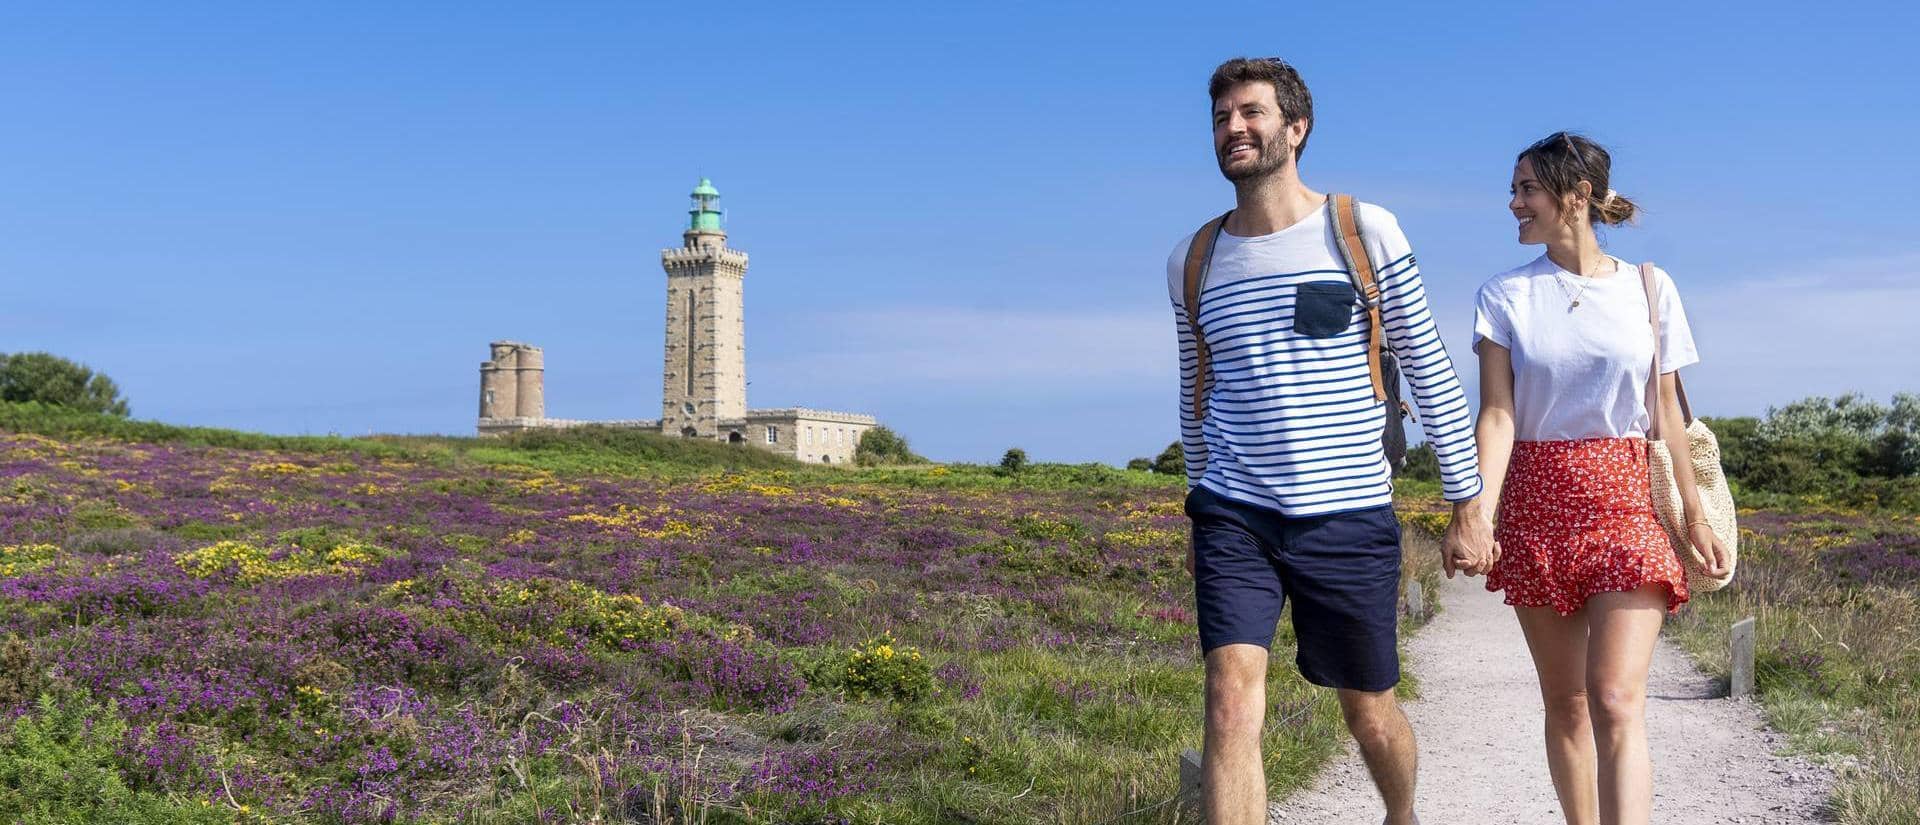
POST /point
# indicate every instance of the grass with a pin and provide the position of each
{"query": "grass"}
(580, 451)
(1086, 731)
(1077, 716)
(1837, 661)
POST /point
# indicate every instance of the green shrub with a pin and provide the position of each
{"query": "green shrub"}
(16, 559)
(101, 515)
(19, 674)
(1014, 461)
(1172, 461)
(1844, 450)
(58, 767)
(1035, 526)
(883, 669)
(1423, 464)
(114, 541)
(50, 379)
(881, 445)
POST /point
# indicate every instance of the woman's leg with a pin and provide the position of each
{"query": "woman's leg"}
(1559, 647)
(1622, 630)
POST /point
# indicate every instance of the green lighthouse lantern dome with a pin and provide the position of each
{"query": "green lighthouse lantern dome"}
(705, 217)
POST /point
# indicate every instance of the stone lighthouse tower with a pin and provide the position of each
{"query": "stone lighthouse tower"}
(705, 376)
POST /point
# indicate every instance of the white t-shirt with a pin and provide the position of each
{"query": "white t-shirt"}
(1580, 372)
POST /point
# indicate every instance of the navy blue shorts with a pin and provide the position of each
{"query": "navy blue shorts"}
(1342, 572)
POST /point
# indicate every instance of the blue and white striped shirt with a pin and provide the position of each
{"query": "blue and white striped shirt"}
(1291, 421)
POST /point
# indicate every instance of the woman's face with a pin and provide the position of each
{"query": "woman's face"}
(1537, 210)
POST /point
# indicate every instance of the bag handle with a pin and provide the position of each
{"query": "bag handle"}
(1653, 378)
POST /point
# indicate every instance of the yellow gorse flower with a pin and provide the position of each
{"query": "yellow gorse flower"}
(634, 519)
(277, 468)
(250, 564)
(16, 559)
(1145, 537)
(1435, 522)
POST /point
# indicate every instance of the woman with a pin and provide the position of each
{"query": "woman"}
(1565, 348)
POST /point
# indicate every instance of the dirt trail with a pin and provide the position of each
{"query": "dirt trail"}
(1483, 761)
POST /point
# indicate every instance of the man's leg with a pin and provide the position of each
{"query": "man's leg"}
(1343, 573)
(1233, 782)
(1238, 598)
(1386, 743)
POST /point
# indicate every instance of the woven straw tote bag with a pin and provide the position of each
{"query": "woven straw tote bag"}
(1716, 499)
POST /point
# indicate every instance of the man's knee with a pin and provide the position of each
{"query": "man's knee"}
(1372, 717)
(1236, 688)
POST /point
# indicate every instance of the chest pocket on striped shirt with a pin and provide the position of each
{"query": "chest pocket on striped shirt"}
(1323, 309)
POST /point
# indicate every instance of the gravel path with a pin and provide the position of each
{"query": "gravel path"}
(1483, 761)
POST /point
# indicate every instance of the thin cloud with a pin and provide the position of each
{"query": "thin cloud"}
(980, 348)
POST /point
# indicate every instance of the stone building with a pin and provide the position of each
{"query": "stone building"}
(704, 363)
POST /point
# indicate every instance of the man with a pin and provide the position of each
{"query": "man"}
(1291, 490)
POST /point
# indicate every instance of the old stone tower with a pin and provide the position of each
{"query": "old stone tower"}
(704, 380)
(513, 382)
(703, 377)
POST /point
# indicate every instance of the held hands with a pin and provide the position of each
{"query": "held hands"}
(1706, 548)
(1469, 546)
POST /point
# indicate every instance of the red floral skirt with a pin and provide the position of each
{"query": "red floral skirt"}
(1576, 518)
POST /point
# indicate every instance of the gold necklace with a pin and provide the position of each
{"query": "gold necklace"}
(1573, 296)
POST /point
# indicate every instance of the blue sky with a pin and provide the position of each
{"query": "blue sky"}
(305, 217)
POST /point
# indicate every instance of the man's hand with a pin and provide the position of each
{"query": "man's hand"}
(1469, 546)
(1189, 558)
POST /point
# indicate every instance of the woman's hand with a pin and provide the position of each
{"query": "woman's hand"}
(1707, 549)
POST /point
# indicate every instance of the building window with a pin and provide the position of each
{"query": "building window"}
(809, 436)
(773, 435)
(691, 342)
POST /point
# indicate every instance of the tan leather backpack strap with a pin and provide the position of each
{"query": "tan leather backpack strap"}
(1347, 237)
(1653, 380)
(1199, 260)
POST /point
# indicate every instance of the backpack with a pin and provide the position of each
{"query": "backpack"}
(1381, 363)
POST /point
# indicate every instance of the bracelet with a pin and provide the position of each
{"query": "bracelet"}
(1701, 521)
